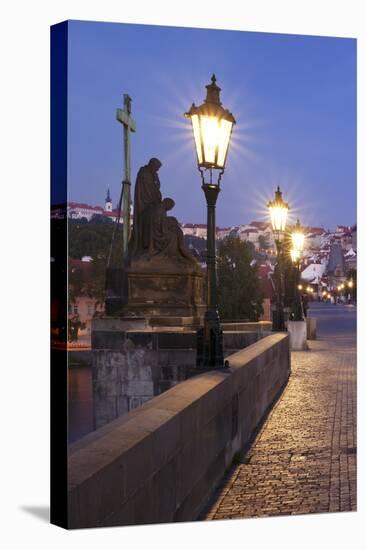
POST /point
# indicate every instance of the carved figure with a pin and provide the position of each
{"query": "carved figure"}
(155, 234)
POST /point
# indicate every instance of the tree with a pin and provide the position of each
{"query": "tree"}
(239, 294)
(92, 239)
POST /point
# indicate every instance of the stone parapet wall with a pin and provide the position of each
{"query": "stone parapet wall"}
(132, 366)
(161, 462)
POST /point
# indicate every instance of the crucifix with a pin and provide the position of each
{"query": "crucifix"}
(124, 116)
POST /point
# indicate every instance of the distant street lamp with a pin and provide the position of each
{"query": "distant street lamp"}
(298, 237)
(298, 241)
(278, 210)
(212, 127)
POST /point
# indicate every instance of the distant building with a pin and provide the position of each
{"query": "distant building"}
(350, 259)
(84, 307)
(79, 210)
(108, 202)
(342, 228)
(354, 236)
(223, 232)
(194, 229)
(250, 234)
(313, 271)
(336, 267)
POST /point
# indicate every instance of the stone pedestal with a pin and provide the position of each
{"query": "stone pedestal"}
(311, 328)
(297, 332)
(159, 288)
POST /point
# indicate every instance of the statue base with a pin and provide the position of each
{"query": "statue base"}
(163, 288)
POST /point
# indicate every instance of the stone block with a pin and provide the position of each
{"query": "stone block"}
(311, 328)
(122, 405)
(144, 340)
(297, 332)
(118, 324)
(158, 289)
(138, 388)
(183, 340)
(105, 410)
(107, 340)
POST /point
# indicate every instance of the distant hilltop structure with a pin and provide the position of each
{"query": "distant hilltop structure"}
(79, 210)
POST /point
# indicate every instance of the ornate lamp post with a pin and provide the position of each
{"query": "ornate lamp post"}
(278, 210)
(298, 240)
(212, 126)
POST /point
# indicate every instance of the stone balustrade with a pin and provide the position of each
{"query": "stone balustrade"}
(161, 462)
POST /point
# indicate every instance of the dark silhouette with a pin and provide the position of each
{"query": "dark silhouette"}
(154, 234)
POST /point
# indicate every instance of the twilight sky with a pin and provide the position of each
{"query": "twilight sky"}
(294, 99)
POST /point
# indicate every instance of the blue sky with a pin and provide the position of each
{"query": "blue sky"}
(294, 99)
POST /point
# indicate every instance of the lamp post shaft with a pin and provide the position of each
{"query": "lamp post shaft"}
(209, 344)
(211, 194)
(279, 319)
(297, 308)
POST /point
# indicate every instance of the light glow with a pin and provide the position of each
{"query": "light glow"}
(212, 135)
(278, 210)
(295, 255)
(278, 217)
(212, 127)
(298, 240)
(197, 137)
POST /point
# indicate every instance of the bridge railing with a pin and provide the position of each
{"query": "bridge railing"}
(161, 462)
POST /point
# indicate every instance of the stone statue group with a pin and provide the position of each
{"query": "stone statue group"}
(155, 235)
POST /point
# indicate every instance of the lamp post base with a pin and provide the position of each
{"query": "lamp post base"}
(210, 343)
(278, 321)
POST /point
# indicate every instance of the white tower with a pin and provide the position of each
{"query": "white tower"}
(108, 202)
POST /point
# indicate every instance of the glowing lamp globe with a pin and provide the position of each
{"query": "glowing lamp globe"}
(212, 126)
(298, 237)
(278, 210)
(295, 255)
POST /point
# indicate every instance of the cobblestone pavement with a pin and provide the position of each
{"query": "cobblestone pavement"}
(303, 460)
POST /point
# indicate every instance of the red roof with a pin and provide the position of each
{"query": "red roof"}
(84, 206)
(316, 230)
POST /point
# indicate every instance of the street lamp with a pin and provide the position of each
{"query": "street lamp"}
(278, 210)
(212, 127)
(298, 237)
(298, 240)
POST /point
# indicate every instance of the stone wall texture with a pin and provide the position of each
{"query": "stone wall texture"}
(129, 367)
(161, 462)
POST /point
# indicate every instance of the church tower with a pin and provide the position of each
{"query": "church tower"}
(108, 202)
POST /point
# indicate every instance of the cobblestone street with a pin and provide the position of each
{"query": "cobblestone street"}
(303, 459)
